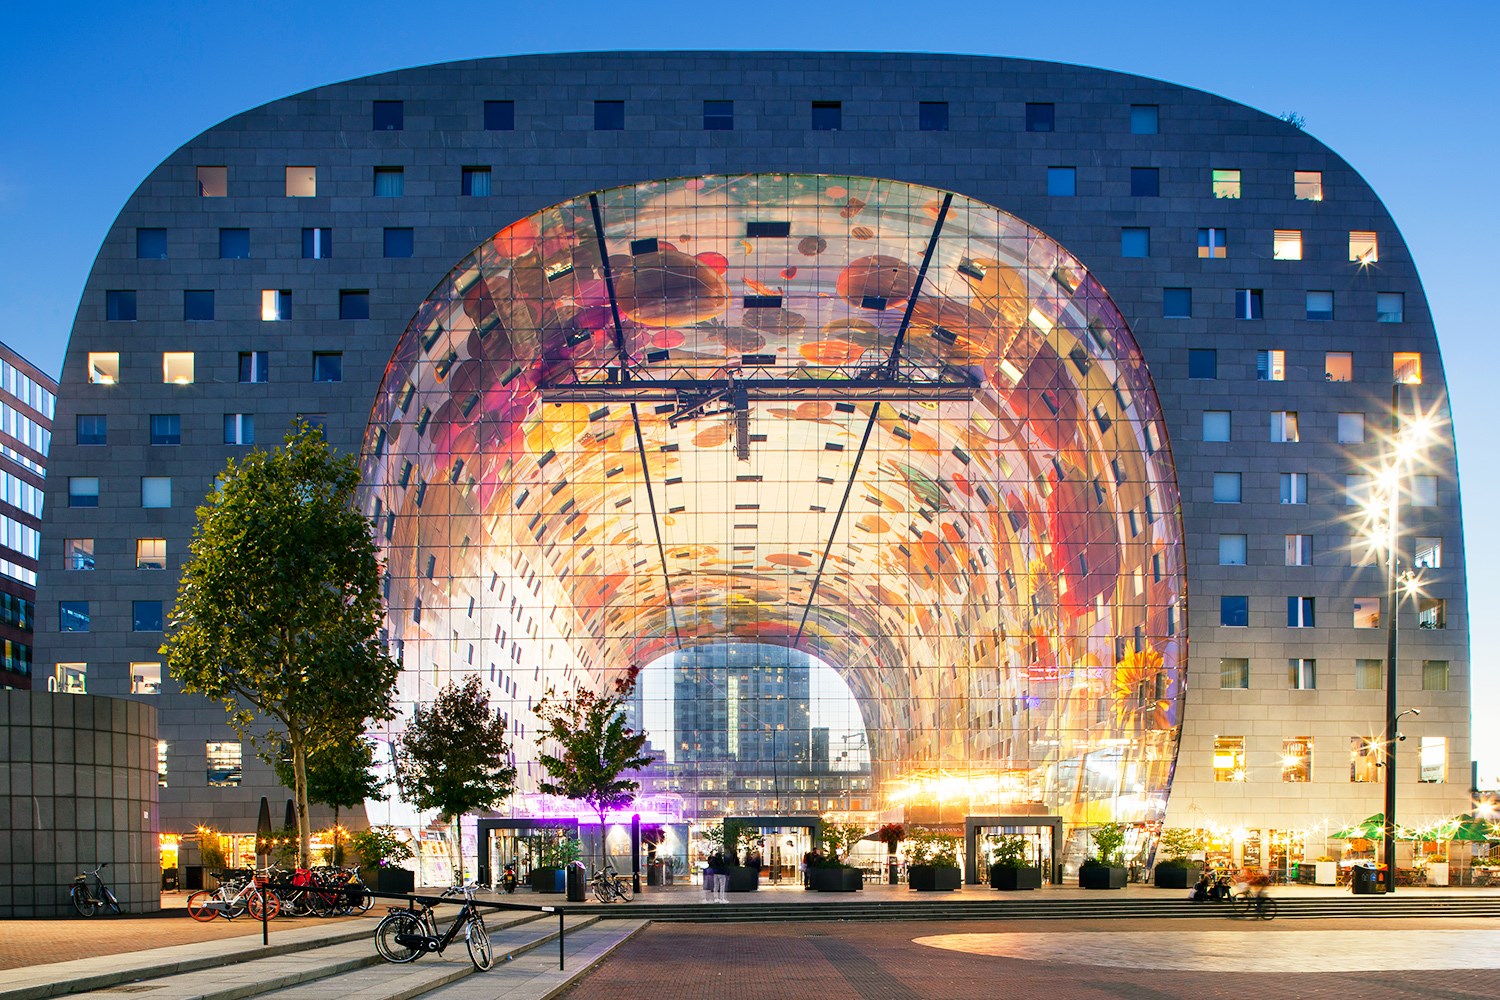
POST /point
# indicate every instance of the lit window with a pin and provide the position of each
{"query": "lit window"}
(609, 116)
(388, 116)
(78, 553)
(1357, 491)
(1270, 366)
(1406, 368)
(1231, 550)
(91, 428)
(1216, 425)
(83, 491)
(1351, 428)
(1226, 487)
(145, 616)
(1369, 675)
(1338, 366)
(1301, 612)
(104, 368)
(1062, 182)
(1429, 553)
(1234, 611)
(1294, 487)
(156, 491)
(1177, 303)
(1299, 550)
(150, 553)
(1307, 185)
(145, 678)
(69, 678)
(1432, 753)
(1234, 672)
(1135, 242)
(301, 182)
(499, 116)
(932, 116)
(1320, 306)
(225, 763)
(1284, 427)
(390, 182)
(474, 182)
(827, 116)
(1213, 243)
(275, 305)
(1145, 119)
(1364, 759)
(1145, 182)
(1424, 491)
(328, 367)
(1249, 303)
(177, 367)
(317, 244)
(1226, 183)
(166, 428)
(72, 616)
(1432, 613)
(354, 303)
(718, 116)
(119, 306)
(255, 366)
(239, 428)
(399, 242)
(150, 244)
(213, 182)
(161, 763)
(1296, 756)
(1302, 674)
(1229, 758)
(198, 304)
(234, 244)
(1390, 307)
(1367, 612)
(1041, 117)
(1364, 248)
(1286, 244)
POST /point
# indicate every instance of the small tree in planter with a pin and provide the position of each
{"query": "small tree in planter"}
(932, 862)
(1177, 869)
(1103, 870)
(1009, 869)
(890, 835)
(381, 853)
(833, 874)
(555, 853)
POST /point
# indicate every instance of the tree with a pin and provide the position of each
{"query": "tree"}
(338, 775)
(454, 757)
(595, 748)
(279, 611)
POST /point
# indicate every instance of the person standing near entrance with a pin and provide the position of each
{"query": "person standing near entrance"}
(807, 861)
(718, 874)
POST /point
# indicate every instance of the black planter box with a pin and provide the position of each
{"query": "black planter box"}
(395, 880)
(1177, 875)
(933, 878)
(1011, 879)
(547, 879)
(744, 879)
(1099, 877)
(836, 879)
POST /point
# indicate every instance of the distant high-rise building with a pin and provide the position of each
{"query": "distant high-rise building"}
(27, 400)
(742, 702)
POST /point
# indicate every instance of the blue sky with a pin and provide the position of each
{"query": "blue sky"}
(96, 94)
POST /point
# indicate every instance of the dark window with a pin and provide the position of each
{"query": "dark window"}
(166, 428)
(932, 116)
(354, 304)
(1249, 303)
(388, 116)
(328, 367)
(1301, 612)
(1177, 303)
(91, 428)
(1145, 182)
(474, 182)
(83, 491)
(1135, 241)
(72, 616)
(609, 116)
(317, 244)
(499, 116)
(145, 616)
(1143, 119)
(390, 182)
(398, 243)
(1041, 117)
(718, 116)
(315, 420)
(1203, 362)
(119, 306)
(254, 366)
(1234, 611)
(234, 244)
(827, 116)
(150, 244)
(198, 304)
(1062, 182)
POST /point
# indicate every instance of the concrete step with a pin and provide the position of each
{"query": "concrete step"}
(535, 976)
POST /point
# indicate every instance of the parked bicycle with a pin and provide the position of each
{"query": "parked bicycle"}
(88, 900)
(239, 892)
(405, 935)
(609, 885)
(320, 892)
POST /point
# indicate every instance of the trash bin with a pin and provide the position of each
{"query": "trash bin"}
(576, 883)
(1366, 880)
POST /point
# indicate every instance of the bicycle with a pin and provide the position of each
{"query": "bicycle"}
(405, 935)
(1253, 902)
(238, 893)
(609, 885)
(89, 901)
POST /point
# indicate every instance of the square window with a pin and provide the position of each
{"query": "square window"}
(1320, 306)
(119, 306)
(1135, 241)
(1307, 185)
(1177, 303)
(317, 244)
(1302, 674)
(69, 678)
(1284, 427)
(1424, 491)
(328, 367)
(1229, 758)
(225, 764)
(1351, 429)
(150, 244)
(255, 366)
(1286, 244)
(1294, 487)
(198, 305)
(499, 116)
(1429, 552)
(1432, 612)
(1145, 119)
(1249, 303)
(1234, 611)
(150, 553)
(1364, 247)
(1357, 491)
(83, 491)
(609, 116)
(1145, 182)
(156, 491)
(301, 182)
(1432, 753)
(474, 182)
(145, 616)
(1301, 612)
(1203, 362)
(177, 367)
(398, 243)
(72, 616)
(1367, 613)
(1390, 307)
(213, 182)
(1270, 366)
(78, 554)
(1232, 550)
(354, 303)
(827, 116)
(1041, 117)
(1226, 183)
(1062, 182)
(239, 428)
(275, 305)
(1369, 675)
(1216, 425)
(1434, 675)
(1226, 487)
(1338, 366)
(145, 678)
(390, 182)
(91, 428)
(1234, 673)
(932, 116)
(388, 116)
(234, 244)
(1406, 368)
(1296, 755)
(1299, 550)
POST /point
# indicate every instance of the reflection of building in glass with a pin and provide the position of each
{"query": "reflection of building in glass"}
(744, 704)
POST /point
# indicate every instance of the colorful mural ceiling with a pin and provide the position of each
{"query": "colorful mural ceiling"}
(888, 425)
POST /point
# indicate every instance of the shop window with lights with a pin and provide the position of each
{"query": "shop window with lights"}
(1338, 366)
(1296, 758)
(225, 764)
(1286, 244)
(1364, 248)
(1234, 673)
(1213, 243)
(104, 368)
(1406, 367)
(145, 678)
(1364, 759)
(1302, 674)
(1367, 612)
(177, 367)
(1307, 185)
(1270, 366)
(1432, 759)
(1226, 183)
(1229, 758)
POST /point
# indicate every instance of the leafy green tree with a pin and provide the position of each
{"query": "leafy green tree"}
(595, 748)
(279, 608)
(454, 757)
(338, 775)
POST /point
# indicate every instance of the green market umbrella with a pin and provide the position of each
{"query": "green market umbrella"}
(1370, 828)
(1467, 828)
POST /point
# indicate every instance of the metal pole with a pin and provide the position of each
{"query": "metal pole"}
(1393, 614)
(635, 853)
(562, 933)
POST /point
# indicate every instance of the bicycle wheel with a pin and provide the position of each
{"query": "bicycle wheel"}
(602, 892)
(82, 901)
(198, 908)
(402, 922)
(110, 902)
(265, 902)
(1265, 908)
(622, 890)
(477, 937)
(1239, 904)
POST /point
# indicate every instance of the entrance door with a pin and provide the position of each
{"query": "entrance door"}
(785, 847)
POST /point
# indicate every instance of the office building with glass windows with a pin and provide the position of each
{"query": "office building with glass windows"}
(27, 398)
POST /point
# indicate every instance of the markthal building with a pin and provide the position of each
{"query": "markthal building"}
(960, 442)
